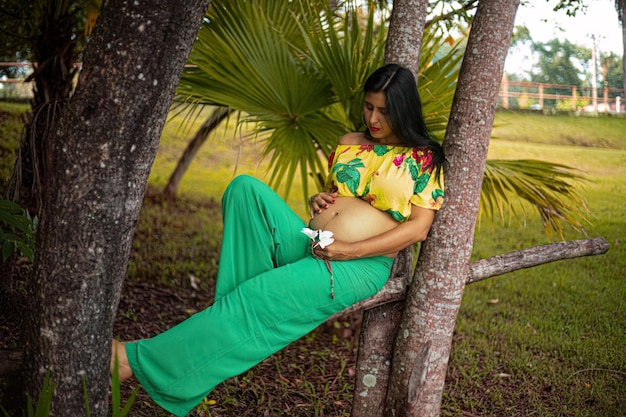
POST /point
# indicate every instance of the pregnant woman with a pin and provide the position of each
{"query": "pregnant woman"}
(276, 281)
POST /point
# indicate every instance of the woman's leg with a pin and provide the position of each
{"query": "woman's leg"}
(261, 232)
(263, 314)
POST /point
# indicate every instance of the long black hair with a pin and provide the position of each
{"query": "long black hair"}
(404, 109)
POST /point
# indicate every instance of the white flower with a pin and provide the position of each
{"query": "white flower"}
(322, 238)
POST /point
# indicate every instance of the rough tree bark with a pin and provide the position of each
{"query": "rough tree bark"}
(378, 330)
(99, 158)
(192, 149)
(380, 324)
(406, 29)
(422, 345)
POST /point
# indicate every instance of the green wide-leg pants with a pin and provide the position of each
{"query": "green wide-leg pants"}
(270, 291)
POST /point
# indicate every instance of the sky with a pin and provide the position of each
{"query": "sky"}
(544, 24)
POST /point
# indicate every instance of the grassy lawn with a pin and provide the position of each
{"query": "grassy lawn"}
(550, 340)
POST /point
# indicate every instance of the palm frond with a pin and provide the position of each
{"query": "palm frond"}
(548, 187)
(247, 57)
(345, 50)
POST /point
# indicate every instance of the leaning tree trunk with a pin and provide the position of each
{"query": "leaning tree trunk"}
(380, 324)
(100, 156)
(423, 341)
(216, 117)
(406, 29)
(378, 330)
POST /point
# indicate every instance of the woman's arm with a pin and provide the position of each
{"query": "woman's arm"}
(415, 229)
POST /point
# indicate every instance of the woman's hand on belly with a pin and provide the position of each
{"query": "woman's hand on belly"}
(351, 220)
(361, 230)
(321, 201)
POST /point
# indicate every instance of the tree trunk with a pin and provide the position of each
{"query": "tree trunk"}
(192, 149)
(622, 14)
(100, 156)
(406, 29)
(380, 324)
(378, 331)
(423, 341)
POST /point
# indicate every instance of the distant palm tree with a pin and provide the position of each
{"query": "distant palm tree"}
(55, 34)
(297, 73)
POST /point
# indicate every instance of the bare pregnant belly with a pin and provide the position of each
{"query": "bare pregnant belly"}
(352, 219)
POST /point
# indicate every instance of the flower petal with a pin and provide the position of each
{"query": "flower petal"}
(311, 234)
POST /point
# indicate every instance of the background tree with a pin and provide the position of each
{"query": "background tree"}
(100, 153)
(559, 62)
(620, 6)
(612, 71)
(193, 147)
(15, 16)
(50, 33)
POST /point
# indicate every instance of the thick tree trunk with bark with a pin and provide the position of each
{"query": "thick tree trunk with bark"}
(378, 330)
(406, 29)
(423, 341)
(192, 149)
(99, 159)
(380, 324)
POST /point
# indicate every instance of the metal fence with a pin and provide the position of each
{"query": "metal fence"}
(542, 96)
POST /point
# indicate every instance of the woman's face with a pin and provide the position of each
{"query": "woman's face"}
(374, 111)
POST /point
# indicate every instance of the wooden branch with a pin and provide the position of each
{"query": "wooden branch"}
(537, 255)
(395, 288)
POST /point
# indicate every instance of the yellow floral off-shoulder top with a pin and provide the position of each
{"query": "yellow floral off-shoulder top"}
(390, 178)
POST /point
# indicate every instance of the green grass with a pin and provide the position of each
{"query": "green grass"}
(560, 129)
(549, 340)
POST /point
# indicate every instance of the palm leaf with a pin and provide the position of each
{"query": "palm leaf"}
(546, 186)
(345, 50)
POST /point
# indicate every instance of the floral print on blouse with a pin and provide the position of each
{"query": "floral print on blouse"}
(390, 178)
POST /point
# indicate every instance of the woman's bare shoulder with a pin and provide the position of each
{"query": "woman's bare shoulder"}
(353, 138)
